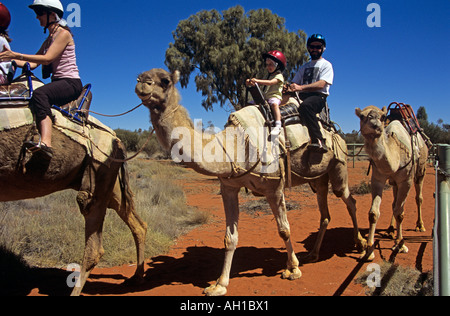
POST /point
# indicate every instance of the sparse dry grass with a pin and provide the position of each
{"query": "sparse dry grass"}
(49, 231)
(397, 280)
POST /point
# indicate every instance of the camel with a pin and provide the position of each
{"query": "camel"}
(395, 156)
(156, 88)
(100, 186)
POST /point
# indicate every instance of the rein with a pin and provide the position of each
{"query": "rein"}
(117, 115)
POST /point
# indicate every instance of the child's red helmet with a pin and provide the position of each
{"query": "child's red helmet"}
(5, 17)
(278, 57)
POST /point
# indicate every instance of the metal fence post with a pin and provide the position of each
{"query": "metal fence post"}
(442, 277)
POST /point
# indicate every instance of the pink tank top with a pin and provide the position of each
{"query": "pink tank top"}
(65, 66)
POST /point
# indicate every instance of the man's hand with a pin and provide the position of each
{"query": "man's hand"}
(295, 87)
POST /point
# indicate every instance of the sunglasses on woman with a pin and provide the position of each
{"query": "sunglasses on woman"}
(40, 12)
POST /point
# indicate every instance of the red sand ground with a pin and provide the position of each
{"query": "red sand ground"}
(195, 261)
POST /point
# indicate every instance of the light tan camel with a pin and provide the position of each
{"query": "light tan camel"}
(156, 88)
(397, 157)
(25, 176)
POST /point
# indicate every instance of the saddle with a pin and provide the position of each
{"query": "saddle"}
(10, 95)
(17, 95)
(405, 114)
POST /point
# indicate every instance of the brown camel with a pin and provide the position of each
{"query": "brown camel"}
(100, 186)
(156, 88)
(397, 157)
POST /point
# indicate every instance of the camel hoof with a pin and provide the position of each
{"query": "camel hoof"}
(403, 249)
(420, 228)
(361, 245)
(215, 290)
(390, 232)
(365, 258)
(295, 274)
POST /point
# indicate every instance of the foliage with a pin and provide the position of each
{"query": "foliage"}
(134, 141)
(438, 133)
(352, 138)
(225, 49)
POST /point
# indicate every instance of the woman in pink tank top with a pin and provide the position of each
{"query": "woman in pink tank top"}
(57, 56)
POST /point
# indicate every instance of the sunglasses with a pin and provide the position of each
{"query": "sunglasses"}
(40, 12)
(315, 46)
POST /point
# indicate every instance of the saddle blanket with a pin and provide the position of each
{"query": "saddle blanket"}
(97, 138)
(411, 143)
(251, 119)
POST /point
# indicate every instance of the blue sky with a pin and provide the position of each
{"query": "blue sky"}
(404, 60)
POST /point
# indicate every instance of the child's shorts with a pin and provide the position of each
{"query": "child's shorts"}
(274, 101)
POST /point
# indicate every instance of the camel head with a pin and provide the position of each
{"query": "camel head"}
(372, 121)
(155, 87)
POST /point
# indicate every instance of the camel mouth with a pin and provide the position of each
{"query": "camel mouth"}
(145, 98)
(375, 133)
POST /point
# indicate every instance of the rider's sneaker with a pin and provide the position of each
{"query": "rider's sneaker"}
(45, 151)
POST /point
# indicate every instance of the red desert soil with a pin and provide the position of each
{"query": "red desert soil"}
(195, 261)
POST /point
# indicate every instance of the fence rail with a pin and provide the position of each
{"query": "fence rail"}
(441, 239)
(356, 152)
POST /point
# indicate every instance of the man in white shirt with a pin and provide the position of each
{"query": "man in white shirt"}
(313, 81)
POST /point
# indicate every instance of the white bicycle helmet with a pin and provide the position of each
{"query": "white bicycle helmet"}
(48, 5)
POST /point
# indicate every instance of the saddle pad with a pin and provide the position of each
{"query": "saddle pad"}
(97, 138)
(250, 119)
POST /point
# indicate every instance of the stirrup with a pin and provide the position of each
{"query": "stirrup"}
(33, 148)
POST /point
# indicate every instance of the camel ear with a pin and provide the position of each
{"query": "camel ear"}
(384, 110)
(358, 112)
(176, 77)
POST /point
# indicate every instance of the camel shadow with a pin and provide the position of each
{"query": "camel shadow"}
(18, 279)
(337, 241)
(198, 267)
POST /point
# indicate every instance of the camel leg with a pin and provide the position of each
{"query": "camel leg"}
(350, 202)
(374, 215)
(321, 188)
(339, 182)
(231, 205)
(94, 216)
(391, 229)
(278, 206)
(420, 227)
(122, 203)
(402, 193)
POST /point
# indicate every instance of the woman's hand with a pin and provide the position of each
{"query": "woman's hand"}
(7, 55)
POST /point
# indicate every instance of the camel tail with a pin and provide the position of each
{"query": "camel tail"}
(127, 194)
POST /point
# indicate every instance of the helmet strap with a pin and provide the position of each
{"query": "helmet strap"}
(49, 23)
